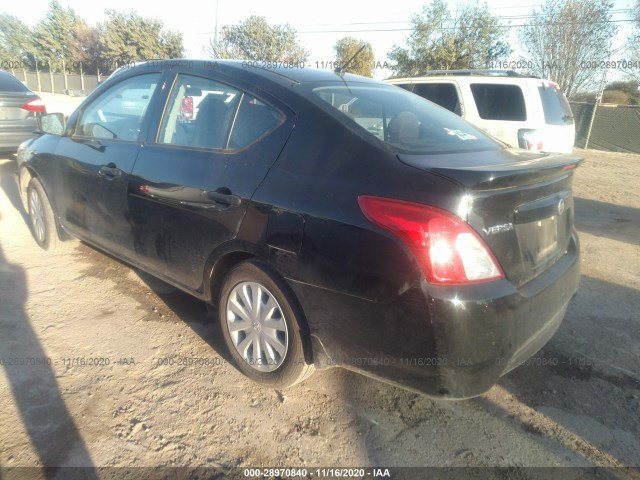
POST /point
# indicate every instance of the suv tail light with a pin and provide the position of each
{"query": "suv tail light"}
(529, 139)
(447, 249)
(35, 105)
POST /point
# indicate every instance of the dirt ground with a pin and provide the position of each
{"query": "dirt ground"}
(159, 392)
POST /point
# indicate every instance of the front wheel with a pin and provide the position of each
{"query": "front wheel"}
(260, 321)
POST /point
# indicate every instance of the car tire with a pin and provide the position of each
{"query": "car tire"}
(42, 218)
(264, 342)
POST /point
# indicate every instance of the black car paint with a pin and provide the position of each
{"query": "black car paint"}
(366, 303)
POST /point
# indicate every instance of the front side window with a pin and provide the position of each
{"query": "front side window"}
(203, 113)
(118, 113)
(404, 122)
(499, 101)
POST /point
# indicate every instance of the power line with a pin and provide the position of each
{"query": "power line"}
(598, 22)
(410, 28)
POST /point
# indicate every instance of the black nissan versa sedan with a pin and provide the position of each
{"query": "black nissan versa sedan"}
(332, 219)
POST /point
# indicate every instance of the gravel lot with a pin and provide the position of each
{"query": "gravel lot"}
(159, 392)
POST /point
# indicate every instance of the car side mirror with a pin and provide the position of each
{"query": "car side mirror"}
(52, 123)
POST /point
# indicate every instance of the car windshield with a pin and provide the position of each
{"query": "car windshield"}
(403, 121)
(9, 83)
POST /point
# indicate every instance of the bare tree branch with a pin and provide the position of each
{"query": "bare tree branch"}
(566, 41)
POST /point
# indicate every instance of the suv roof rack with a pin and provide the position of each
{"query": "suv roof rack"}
(469, 72)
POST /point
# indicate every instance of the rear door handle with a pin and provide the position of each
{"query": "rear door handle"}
(110, 172)
(224, 197)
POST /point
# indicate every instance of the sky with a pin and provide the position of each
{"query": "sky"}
(382, 24)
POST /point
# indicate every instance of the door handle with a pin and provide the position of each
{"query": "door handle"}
(110, 172)
(224, 197)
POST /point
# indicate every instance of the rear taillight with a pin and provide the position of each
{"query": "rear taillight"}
(448, 250)
(35, 105)
(529, 139)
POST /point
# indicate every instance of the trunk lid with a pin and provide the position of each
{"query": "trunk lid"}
(519, 202)
(11, 106)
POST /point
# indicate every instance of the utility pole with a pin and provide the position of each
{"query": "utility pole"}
(215, 32)
(595, 107)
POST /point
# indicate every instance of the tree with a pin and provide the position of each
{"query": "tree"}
(128, 37)
(347, 47)
(16, 46)
(254, 39)
(634, 45)
(470, 38)
(55, 40)
(87, 49)
(567, 39)
(624, 93)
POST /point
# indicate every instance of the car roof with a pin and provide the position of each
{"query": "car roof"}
(284, 71)
(499, 76)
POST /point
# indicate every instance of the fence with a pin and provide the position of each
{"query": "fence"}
(69, 83)
(615, 127)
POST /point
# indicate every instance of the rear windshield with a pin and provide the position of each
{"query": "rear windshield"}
(9, 83)
(403, 121)
(556, 108)
(499, 102)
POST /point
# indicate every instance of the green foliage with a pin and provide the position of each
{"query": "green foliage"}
(61, 39)
(54, 37)
(564, 36)
(15, 40)
(347, 47)
(87, 50)
(440, 40)
(255, 39)
(128, 37)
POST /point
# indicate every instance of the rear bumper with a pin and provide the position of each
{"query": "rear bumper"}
(11, 138)
(449, 342)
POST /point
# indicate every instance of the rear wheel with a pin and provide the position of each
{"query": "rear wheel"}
(260, 321)
(43, 223)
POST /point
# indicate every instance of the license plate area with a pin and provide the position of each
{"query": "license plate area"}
(538, 239)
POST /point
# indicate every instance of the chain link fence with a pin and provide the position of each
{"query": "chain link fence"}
(616, 128)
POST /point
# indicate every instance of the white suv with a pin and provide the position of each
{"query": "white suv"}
(522, 111)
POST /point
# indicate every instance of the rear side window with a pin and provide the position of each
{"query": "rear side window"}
(444, 94)
(204, 113)
(254, 119)
(200, 113)
(556, 108)
(403, 121)
(9, 83)
(499, 102)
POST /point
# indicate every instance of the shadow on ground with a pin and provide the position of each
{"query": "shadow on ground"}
(31, 377)
(609, 220)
